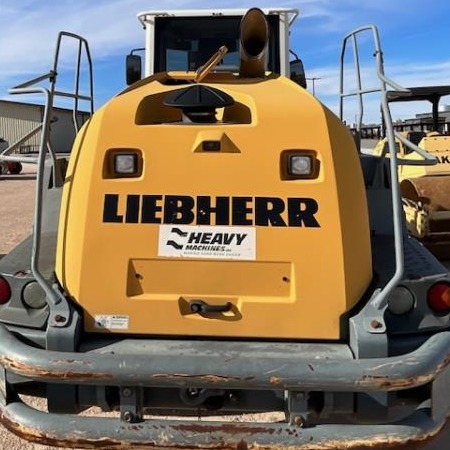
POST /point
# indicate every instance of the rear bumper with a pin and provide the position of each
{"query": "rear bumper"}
(224, 365)
(87, 432)
(237, 365)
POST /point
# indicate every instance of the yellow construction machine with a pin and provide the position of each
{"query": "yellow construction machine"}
(218, 247)
(425, 189)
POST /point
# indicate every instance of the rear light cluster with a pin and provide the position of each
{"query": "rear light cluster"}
(5, 291)
(402, 299)
(438, 297)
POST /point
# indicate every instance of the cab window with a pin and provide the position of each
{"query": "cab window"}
(186, 43)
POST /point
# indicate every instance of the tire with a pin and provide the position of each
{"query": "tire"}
(14, 167)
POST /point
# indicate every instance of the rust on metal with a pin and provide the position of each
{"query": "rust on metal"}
(432, 190)
(223, 442)
(31, 371)
(443, 364)
(210, 378)
(242, 445)
(375, 324)
(384, 382)
(30, 434)
(224, 427)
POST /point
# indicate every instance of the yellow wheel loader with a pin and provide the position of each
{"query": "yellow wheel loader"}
(216, 247)
(425, 189)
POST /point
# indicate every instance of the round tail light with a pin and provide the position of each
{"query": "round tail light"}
(5, 291)
(439, 297)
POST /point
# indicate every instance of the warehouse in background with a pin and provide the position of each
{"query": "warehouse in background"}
(421, 122)
(17, 119)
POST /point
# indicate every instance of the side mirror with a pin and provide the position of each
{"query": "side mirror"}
(134, 68)
(298, 72)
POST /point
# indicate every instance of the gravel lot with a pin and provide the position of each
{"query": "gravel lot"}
(16, 216)
(16, 207)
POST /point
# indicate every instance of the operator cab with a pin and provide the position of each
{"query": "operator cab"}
(184, 42)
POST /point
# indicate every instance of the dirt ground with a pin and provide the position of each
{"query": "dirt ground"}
(16, 217)
(16, 207)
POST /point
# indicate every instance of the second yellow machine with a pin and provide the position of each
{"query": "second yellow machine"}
(425, 189)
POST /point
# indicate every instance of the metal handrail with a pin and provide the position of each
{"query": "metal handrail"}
(45, 141)
(6, 154)
(54, 296)
(82, 44)
(380, 299)
(428, 160)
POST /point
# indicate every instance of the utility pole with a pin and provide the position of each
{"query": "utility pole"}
(314, 79)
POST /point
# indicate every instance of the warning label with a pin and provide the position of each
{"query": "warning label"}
(111, 322)
(207, 242)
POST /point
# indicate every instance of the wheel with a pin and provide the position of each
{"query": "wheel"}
(14, 167)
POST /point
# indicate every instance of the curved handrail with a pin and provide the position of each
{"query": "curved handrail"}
(380, 299)
(54, 296)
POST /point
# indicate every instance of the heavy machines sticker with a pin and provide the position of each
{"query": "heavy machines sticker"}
(207, 242)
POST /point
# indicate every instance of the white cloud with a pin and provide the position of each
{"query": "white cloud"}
(29, 27)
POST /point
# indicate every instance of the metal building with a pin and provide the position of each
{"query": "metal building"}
(17, 119)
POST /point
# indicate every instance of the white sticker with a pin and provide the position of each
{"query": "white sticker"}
(213, 242)
(111, 322)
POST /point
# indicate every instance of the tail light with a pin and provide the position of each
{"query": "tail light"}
(5, 291)
(438, 297)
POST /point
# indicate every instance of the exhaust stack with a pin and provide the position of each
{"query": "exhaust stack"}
(254, 35)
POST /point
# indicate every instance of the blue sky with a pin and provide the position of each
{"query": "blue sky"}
(415, 36)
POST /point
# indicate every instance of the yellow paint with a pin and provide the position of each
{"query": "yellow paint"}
(303, 278)
(421, 213)
(435, 144)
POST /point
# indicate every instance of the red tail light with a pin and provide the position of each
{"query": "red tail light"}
(439, 297)
(5, 291)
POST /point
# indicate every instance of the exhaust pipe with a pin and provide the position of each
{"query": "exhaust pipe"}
(254, 35)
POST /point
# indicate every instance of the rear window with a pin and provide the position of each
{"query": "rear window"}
(186, 43)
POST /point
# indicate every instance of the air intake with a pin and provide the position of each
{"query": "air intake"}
(198, 103)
